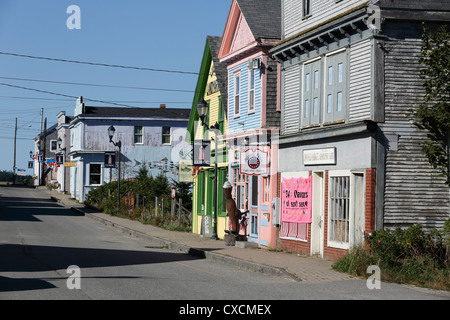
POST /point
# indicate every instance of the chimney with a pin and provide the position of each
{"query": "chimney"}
(162, 106)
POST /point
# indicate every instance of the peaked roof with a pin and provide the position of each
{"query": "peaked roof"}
(263, 18)
(210, 54)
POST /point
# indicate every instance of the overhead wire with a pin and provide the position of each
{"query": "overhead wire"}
(98, 64)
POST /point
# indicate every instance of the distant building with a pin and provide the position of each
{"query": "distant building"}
(45, 151)
(151, 136)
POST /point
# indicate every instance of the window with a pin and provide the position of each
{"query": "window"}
(95, 174)
(138, 135)
(306, 8)
(221, 116)
(254, 190)
(339, 209)
(311, 93)
(265, 191)
(251, 92)
(336, 88)
(53, 145)
(237, 80)
(240, 187)
(166, 135)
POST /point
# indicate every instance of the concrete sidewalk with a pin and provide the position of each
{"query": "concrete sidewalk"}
(298, 268)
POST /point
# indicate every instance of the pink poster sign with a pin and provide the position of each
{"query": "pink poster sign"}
(296, 200)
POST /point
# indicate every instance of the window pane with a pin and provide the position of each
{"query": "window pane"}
(307, 81)
(315, 106)
(340, 72)
(339, 101)
(330, 103)
(306, 110)
(316, 79)
(330, 76)
(236, 85)
(252, 100)
(252, 79)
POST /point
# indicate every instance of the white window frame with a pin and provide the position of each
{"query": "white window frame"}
(101, 173)
(306, 9)
(166, 134)
(350, 174)
(136, 135)
(237, 94)
(251, 92)
(53, 143)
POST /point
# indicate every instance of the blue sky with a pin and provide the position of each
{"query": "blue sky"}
(154, 34)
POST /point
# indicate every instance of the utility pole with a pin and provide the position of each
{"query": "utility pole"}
(43, 156)
(14, 168)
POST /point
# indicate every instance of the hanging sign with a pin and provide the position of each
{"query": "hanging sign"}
(202, 153)
(110, 160)
(296, 200)
(185, 171)
(254, 162)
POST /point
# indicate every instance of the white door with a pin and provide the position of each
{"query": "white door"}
(317, 225)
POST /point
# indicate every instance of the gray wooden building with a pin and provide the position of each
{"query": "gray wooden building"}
(349, 78)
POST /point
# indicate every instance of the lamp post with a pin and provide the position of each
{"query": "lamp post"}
(202, 110)
(111, 131)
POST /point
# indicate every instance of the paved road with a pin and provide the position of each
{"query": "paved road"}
(39, 240)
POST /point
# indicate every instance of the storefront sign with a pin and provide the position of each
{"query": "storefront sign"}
(186, 173)
(296, 200)
(319, 156)
(70, 164)
(202, 153)
(110, 160)
(254, 162)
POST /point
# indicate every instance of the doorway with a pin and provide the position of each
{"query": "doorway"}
(317, 224)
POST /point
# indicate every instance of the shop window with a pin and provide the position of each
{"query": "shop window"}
(294, 231)
(95, 174)
(339, 224)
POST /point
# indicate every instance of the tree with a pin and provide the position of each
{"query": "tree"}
(433, 114)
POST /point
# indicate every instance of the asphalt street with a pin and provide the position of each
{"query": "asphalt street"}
(40, 240)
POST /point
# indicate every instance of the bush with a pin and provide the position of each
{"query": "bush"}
(104, 198)
(404, 255)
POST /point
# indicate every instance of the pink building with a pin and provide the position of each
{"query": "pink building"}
(252, 29)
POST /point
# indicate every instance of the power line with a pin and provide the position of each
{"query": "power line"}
(65, 95)
(96, 85)
(98, 64)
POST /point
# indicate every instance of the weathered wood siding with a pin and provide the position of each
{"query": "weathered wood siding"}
(322, 10)
(291, 99)
(414, 191)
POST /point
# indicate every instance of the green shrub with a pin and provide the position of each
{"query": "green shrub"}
(404, 255)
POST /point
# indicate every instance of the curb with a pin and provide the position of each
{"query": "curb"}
(202, 254)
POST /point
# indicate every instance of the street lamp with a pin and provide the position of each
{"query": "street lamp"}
(111, 131)
(202, 110)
